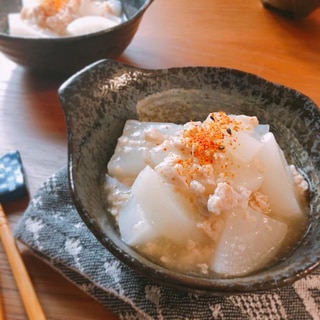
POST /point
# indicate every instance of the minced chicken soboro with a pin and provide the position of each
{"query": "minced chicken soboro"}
(213, 198)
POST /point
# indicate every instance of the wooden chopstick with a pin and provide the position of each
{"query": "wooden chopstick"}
(23, 281)
(2, 317)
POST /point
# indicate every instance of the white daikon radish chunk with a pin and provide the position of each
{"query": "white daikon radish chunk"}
(133, 148)
(245, 174)
(163, 207)
(248, 122)
(108, 9)
(116, 7)
(89, 24)
(90, 8)
(134, 228)
(241, 145)
(156, 155)
(248, 242)
(149, 133)
(133, 130)
(260, 130)
(128, 164)
(21, 28)
(30, 3)
(160, 150)
(278, 179)
(128, 158)
(153, 133)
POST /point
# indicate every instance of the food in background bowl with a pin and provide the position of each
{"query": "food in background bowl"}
(54, 18)
(214, 197)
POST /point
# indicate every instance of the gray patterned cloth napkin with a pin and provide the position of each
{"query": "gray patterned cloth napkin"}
(53, 230)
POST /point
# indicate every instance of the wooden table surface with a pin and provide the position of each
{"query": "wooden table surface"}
(237, 34)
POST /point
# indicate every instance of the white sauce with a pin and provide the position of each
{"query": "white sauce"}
(213, 196)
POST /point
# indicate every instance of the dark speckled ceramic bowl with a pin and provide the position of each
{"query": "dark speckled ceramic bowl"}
(65, 56)
(97, 102)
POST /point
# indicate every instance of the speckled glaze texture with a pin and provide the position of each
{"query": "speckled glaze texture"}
(65, 56)
(98, 100)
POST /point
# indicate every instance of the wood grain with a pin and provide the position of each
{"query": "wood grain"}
(236, 34)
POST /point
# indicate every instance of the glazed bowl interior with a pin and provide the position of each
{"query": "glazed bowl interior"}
(98, 100)
(66, 55)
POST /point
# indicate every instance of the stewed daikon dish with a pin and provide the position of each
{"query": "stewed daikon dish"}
(213, 197)
(61, 18)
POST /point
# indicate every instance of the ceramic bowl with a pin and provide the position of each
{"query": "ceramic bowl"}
(65, 56)
(293, 9)
(98, 100)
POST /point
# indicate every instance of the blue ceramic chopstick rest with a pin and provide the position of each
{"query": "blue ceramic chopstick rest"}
(12, 177)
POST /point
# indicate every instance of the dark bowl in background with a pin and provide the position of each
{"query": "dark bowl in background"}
(65, 56)
(99, 99)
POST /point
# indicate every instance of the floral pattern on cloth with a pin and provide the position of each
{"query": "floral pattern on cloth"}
(53, 230)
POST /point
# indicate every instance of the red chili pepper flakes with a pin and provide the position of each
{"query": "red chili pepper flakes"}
(204, 141)
(208, 138)
(54, 4)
